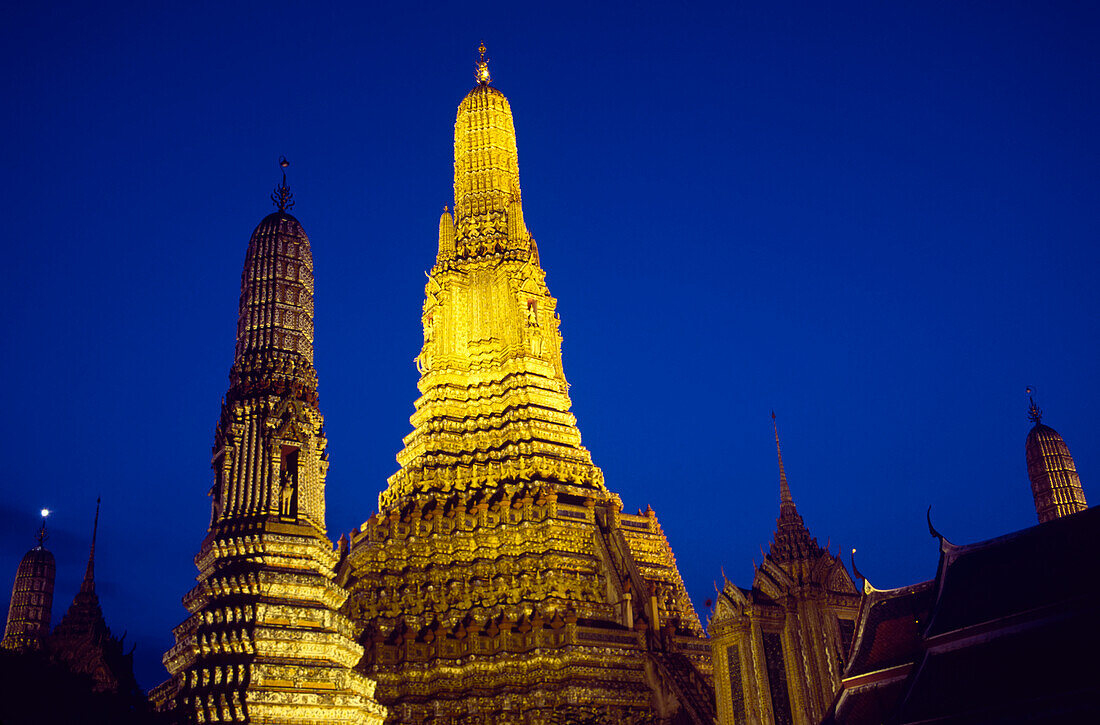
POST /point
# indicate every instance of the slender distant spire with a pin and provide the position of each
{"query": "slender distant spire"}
(785, 498)
(792, 540)
(482, 69)
(281, 197)
(88, 585)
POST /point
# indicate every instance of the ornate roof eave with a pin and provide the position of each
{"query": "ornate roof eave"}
(773, 579)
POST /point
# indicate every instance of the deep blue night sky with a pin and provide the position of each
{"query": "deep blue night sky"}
(878, 220)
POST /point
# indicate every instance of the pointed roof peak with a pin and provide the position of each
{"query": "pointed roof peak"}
(792, 539)
(88, 585)
(785, 497)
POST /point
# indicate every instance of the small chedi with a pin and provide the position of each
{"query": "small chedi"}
(1054, 480)
(265, 641)
(28, 623)
(501, 581)
(779, 648)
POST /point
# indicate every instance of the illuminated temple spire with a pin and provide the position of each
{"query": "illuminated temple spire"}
(1055, 484)
(501, 581)
(28, 622)
(792, 539)
(264, 642)
(491, 339)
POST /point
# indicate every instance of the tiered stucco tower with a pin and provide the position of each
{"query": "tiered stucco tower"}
(1055, 484)
(28, 622)
(265, 642)
(501, 581)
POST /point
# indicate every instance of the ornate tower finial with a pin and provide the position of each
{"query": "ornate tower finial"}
(281, 197)
(1034, 412)
(482, 70)
(41, 535)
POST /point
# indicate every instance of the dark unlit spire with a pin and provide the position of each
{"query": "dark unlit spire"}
(785, 497)
(88, 585)
(792, 540)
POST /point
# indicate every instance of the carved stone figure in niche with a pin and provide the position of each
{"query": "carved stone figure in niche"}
(532, 313)
(287, 490)
(216, 494)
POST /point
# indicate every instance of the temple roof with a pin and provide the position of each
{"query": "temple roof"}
(84, 642)
(999, 635)
(1019, 572)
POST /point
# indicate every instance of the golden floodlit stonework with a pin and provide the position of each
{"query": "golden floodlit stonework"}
(501, 581)
(265, 641)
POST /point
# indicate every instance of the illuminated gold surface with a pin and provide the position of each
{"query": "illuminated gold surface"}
(501, 580)
(265, 642)
(1055, 484)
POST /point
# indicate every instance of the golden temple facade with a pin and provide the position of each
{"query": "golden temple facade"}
(265, 641)
(501, 581)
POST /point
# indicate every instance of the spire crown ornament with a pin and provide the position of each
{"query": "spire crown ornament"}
(282, 197)
(481, 72)
(1034, 412)
(42, 535)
